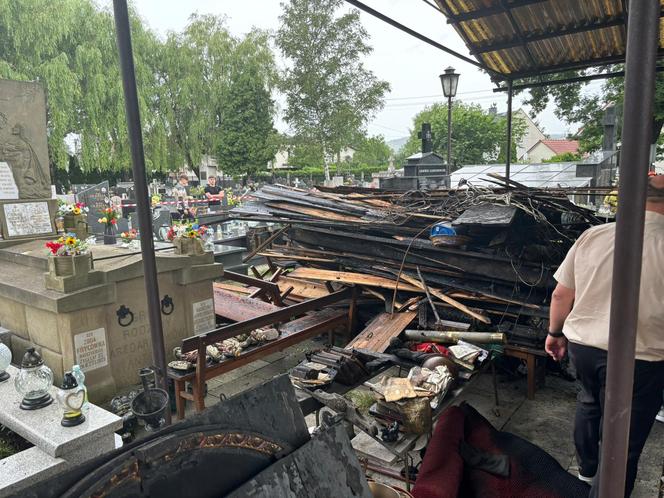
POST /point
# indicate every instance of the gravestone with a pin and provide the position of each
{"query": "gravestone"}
(27, 209)
(96, 198)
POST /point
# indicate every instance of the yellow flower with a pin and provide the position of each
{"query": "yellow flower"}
(76, 210)
(70, 241)
(103, 220)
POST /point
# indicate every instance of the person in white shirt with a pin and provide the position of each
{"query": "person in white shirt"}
(579, 323)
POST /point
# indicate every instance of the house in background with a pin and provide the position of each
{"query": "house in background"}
(546, 149)
(531, 136)
(282, 156)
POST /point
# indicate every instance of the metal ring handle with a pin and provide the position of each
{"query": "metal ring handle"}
(167, 305)
(123, 313)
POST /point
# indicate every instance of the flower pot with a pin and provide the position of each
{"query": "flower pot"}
(66, 266)
(109, 235)
(77, 224)
(188, 247)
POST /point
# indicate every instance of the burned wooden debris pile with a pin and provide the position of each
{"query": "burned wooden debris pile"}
(480, 257)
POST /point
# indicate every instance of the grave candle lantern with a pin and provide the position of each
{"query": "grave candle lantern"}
(5, 360)
(71, 397)
(33, 381)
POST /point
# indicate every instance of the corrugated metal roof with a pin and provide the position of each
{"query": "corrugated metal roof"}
(520, 38)
(545, 175)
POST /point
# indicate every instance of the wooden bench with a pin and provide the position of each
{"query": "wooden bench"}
(312, 319)
(535, 364)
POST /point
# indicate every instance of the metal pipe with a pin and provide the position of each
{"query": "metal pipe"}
(508, 149)
(449, 135)
(454, 336)
(642, 45)
(123, 33)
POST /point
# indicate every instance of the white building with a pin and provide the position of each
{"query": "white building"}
(282, 156)
(531, 136)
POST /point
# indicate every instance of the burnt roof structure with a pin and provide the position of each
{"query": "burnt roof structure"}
(526, 38)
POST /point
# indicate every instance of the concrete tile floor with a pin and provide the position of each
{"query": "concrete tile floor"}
(546, 421)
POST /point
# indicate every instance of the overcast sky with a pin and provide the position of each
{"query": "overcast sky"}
(409, 65)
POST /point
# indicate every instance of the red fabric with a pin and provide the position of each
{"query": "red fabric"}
(533, 472)
(430, 347)
(442, 469)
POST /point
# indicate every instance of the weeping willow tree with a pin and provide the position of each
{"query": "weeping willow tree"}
(70, 47)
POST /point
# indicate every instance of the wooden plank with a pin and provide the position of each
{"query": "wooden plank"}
(377, 335)
(351, 278)
(446, 299)
(237, 308)
(303, 289)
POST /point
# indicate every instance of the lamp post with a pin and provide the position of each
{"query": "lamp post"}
(449, 79)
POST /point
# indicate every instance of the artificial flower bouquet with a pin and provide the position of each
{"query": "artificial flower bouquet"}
(75, 208)
(187, 230)
(109, 217)
(67, 245)
(129, 235)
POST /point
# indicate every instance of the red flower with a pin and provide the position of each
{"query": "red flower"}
(114, 221)
(54, 246)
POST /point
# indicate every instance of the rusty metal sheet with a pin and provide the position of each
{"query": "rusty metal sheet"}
(526, 37)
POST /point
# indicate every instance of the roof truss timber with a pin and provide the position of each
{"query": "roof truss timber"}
(533, 37)
(489, 11)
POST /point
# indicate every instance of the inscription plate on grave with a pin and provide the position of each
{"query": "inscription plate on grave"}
(8, 188)
(203, 316)
(27, 218)
(90, 348)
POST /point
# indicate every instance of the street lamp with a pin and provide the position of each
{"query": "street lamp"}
(449, 79)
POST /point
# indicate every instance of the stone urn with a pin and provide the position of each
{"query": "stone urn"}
(77, 224)
(68, 273)
(67, 266)
(187, 246)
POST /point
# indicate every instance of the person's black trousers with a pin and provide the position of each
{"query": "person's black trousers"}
(590, 364)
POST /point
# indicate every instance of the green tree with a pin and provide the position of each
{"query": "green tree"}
(198, 70)
(565, 157)
(246, 142)
(330, 95)
(372, 151)
(574, 105)
(478, 136)
(303, 154)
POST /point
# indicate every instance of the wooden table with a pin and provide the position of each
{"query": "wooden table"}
(535, 363)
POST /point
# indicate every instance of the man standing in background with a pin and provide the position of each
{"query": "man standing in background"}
(579, 322)
(213, 193)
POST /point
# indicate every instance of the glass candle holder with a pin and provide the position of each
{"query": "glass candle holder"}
(5, 361)
(33, 381)
(71, 398)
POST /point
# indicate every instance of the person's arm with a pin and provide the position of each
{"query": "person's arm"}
(562, 301)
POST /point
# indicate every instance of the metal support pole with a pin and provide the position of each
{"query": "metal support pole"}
(508, 148)
(140, 182)
(449, 135)
(642, 45)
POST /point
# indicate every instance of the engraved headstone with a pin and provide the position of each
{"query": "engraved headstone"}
(96, 198)
(26, 205)
(22, 219)
(23, 137)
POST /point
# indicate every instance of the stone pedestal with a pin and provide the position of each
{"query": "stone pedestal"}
(87, 326)
(56, 448)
